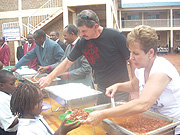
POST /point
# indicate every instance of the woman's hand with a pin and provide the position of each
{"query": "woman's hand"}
(94, 118)
(111, 90)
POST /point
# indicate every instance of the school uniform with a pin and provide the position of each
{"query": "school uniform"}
(6, 117)
(5, 54)
(37, 126)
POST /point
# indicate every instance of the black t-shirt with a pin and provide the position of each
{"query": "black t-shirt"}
(107, 55)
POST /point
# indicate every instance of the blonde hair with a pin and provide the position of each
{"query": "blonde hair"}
(146, 36)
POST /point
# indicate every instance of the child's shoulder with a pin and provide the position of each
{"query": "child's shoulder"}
(5, 98)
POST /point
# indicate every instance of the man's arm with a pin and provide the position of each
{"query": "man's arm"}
(26, 58)
(61, 68)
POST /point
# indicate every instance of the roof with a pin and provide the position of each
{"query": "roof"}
(150, 4)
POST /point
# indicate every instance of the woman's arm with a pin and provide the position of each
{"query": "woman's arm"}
(151, 92)
(129, 86)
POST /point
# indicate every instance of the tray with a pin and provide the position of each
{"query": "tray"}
(28, 79)
(23, 71)
(114, 129)
(73, 95)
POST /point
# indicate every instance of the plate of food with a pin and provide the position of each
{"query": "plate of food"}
(76, 115)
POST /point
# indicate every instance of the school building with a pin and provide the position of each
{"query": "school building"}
(56, 14)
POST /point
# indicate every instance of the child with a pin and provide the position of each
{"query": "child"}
(8, 123)
(26, 102)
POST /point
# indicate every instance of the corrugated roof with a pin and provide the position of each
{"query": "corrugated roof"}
(150, 4)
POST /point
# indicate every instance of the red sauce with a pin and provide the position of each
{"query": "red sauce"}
(140, 123)
(78, 114)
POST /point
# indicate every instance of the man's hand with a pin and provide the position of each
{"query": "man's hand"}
(65, 127)
(13, 69)
(43, 69)
(44, 81)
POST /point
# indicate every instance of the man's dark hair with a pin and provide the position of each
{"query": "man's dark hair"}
(40, 33)
(4, 74)
(57, 33)
(30, 34)
(72, 29)
(24, 99)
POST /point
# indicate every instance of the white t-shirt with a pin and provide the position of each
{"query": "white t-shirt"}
(6, 117)
(34, 127)
(169, 101)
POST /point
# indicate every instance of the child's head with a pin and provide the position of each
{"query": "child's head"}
(7, 81)
(26, 101)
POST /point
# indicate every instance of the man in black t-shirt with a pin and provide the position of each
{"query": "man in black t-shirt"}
(106, 51)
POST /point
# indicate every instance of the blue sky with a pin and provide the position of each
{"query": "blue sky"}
(144, 1)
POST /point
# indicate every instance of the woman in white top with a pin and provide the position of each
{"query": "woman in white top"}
(156, 79)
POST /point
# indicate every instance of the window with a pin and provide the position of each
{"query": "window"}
(178, 15)
(177, 37)
(133, 17)
(153, 16)
(159, 37)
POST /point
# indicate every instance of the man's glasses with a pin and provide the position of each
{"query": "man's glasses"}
(85, 17)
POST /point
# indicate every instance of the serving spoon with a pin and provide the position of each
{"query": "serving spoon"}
(112, 102)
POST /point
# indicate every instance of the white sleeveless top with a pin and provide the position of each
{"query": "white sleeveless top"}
(169, 101)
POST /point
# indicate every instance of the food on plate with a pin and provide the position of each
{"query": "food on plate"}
(34, 79)
(140, 123)
(78, 114)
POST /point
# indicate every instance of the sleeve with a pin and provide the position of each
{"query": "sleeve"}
(58, 54)
(76, 52)
(6, 117)
(162, 65)
(53, 66)
(7, 56)
(26, 58)
(63, 46)
(82, 71)
(17, 54)
(121, 42)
